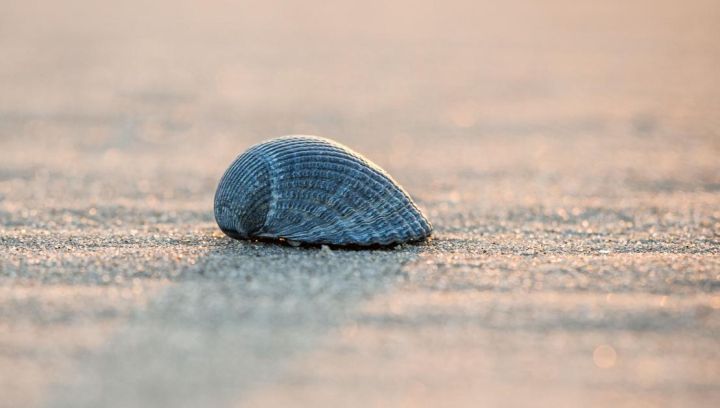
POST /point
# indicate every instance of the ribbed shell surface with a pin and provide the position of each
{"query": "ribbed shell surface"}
(314, 190)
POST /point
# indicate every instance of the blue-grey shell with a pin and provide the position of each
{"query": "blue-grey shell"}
(314, 190)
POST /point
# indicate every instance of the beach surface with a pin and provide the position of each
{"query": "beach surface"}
(566, 153)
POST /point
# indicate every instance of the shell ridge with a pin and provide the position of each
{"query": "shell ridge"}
(386, 191)
(329, 145)
(354, 157)
(236, 182)
(260, 167)
(271, 214)
(297, 231)
(294, 205)
(362, 203)
(339, 226)
(376, 182)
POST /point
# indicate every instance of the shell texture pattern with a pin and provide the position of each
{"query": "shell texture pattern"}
(313, 190)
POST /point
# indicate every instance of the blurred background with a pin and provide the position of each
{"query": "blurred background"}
(575, 140)
(118, 82)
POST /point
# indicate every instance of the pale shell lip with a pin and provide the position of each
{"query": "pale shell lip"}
(310, 190)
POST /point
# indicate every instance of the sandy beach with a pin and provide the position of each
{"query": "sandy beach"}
(566, 153)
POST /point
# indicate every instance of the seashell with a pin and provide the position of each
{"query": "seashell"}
(307, 189)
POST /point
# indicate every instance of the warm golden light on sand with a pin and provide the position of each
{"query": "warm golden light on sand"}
(464, 115)
(715, 302)
(604, 356)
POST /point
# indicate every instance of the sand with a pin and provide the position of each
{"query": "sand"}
(566, 153)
